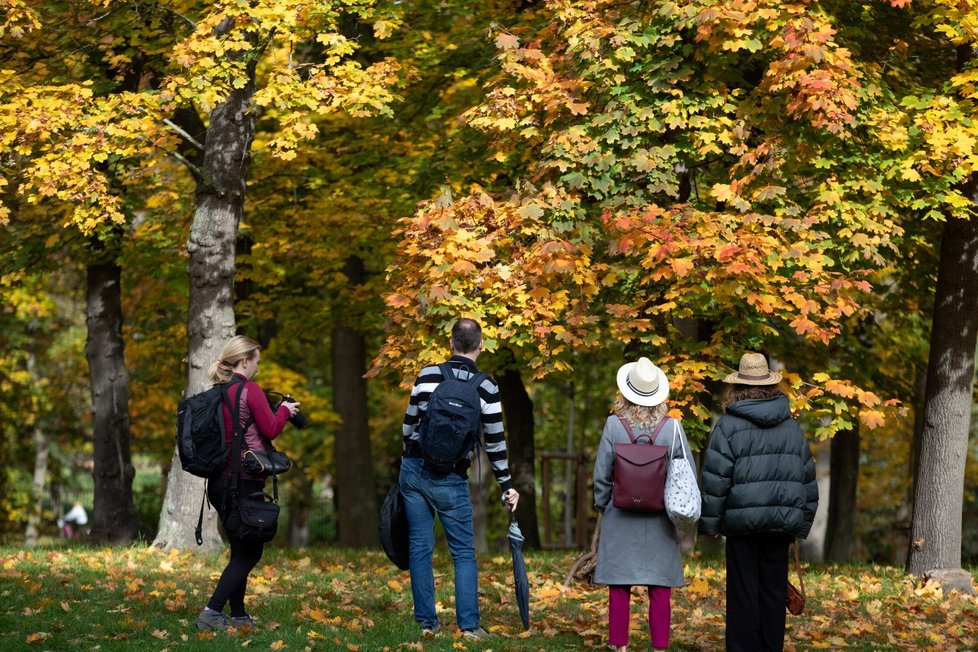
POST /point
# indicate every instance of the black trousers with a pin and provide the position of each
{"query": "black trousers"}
(245, 555)
(757, 583)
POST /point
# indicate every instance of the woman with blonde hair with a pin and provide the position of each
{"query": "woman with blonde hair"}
(637, 548)
(235, 369)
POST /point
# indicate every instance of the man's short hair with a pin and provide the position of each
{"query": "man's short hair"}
(466, 335)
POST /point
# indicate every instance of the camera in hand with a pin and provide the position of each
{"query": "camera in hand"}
(275, 399)
(298, 420)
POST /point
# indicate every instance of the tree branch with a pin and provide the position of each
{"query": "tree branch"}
(190, 139)
(194, 170)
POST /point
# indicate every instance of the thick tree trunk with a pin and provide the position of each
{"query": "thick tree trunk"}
(114, 517)
(935, 548)
(518, 412)
(210, 322)
(356, 495)
(841, 529)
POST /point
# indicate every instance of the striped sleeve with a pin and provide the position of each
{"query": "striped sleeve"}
(426, 382)
(492, 432)
(492, 418)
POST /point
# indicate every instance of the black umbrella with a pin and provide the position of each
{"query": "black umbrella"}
(520, 582)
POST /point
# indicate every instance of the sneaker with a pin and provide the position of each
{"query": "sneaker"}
(475, 634)
(243, 622)
(428, 633)
(211, 620)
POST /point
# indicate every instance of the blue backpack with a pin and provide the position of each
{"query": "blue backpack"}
(451, 425)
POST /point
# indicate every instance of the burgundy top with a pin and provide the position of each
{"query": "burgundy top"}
(265, 424)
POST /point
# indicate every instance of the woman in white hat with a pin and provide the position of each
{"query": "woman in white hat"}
(637, 548)
(759, 491)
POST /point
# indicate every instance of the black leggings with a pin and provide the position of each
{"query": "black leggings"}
(244, 554)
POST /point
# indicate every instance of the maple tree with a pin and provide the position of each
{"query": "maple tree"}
(934, 136)
(658, 169)
(288, 63)
(230, 63)
(693, 181)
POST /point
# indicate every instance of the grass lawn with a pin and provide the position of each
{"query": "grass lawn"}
(137, 598)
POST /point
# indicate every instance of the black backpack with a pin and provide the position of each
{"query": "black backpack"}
(200, 432)
(450, 427)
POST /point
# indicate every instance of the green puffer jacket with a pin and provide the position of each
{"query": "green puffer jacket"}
(758, 472)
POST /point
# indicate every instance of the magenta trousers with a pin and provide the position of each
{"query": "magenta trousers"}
(660, 613)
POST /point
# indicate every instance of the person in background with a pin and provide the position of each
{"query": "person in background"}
(759, 491)
(239, 361)
(637, 548)
(74, 520)
(427, 493)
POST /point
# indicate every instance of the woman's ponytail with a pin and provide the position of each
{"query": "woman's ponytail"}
(239, 348)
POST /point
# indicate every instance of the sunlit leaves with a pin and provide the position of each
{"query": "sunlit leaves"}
(72, 146)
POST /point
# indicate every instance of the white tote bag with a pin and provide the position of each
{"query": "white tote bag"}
(682, 495)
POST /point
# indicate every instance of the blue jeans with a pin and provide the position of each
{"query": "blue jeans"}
(426, 494)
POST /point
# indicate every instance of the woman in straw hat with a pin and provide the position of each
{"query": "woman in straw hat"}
(637, 548)
(759, 491)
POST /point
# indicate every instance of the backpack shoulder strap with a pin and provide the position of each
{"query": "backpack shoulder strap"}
(631, 433)
(447, 372)
(236, 435)
(628, 428)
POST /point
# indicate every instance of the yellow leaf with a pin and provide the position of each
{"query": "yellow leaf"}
(395, 586)
(277, 645)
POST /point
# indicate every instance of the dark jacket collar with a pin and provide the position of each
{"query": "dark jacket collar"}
(462, 361)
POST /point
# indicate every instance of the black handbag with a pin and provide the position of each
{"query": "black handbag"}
(267, 462)
(253, 517)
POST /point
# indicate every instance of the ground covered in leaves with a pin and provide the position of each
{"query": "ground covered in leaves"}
(325, 599)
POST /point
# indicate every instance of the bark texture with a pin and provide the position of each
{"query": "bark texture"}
(520, 426)
(114, 517)
(211, 322)
(841, 529)
(357, 506)
(935, 542)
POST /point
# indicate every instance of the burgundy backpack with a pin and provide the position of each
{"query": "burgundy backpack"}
(639, 474)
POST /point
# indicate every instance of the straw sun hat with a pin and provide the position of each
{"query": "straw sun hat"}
(643, 383)
(753, 371)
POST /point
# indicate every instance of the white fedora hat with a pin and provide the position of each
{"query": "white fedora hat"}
(643, 383)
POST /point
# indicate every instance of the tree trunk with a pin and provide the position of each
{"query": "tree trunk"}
(210, 320)
(518, 412)
(300, 506)
(114, 517)
(41, 450)
(935, 547)
(357, 509)
(841, 529)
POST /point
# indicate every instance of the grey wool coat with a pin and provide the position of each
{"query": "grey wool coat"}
(634, 548)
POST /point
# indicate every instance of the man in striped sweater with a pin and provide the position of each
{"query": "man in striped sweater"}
(427, 493)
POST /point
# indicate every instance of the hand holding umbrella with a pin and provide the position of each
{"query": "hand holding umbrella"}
(521, 583)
